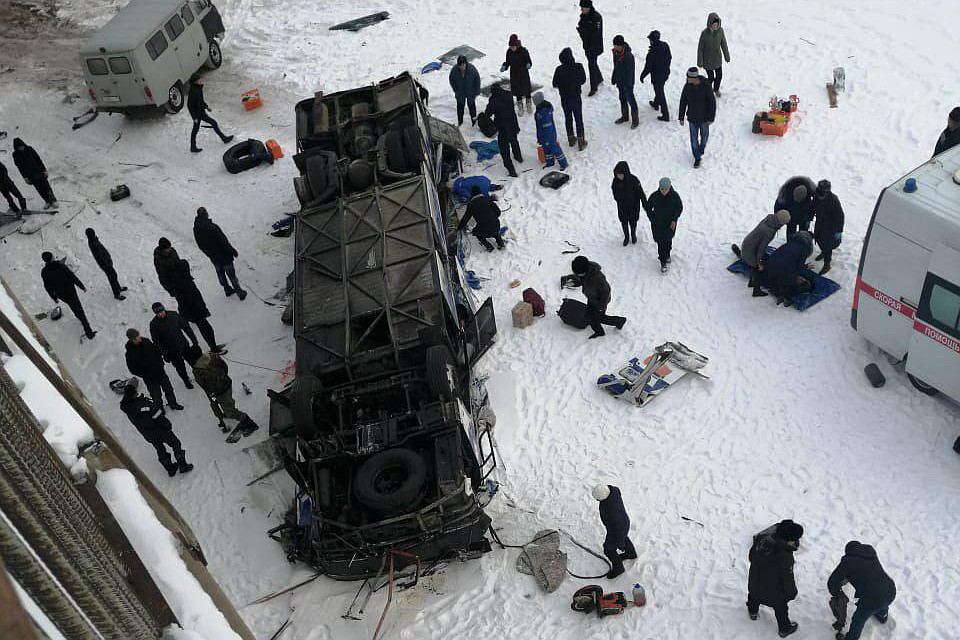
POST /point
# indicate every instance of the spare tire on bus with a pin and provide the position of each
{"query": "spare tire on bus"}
(391, 481)
(303, 395)
(245, 155)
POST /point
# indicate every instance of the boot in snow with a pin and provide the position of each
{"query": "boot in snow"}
(529, 104)
(825, 268)
(736, 249)
(519, 106)
(626, 240)
(600, 334)
(581, 143)
(170, 466)
(789, 630)
(759, 293)
(572, 140)
(228, 291)
(613, 573)
(184, 467)
(653, 104)
(620, 322)
(818, 258)
(621, 119)
(635, 122)
(241, 294)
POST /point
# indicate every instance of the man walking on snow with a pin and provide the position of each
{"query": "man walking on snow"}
(828, 230)
(500, 108)
(214, 244)
(465, 81)
(61, 284)
(874, 589)
(10, 191)
(590, 29)
(664, 207)
(624, 76)
(614, 517)
(699, 104)
(771, 582)
(657, 66)
(33, 170)
(594, 285)
(197, 107)
(103, 259)
(630, 198)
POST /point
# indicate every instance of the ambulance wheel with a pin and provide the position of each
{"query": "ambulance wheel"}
(174, 98)
(922, 386)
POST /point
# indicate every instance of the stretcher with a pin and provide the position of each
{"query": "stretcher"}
(640, 381)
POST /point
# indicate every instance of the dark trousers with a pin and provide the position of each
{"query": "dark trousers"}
(573, 111)
(660, 99)
(43, 188)
(629, 228)
(612, 547)
(196, 129)
(206, 331)
(793, 227)
(664, 245)
(484, 240)
(597, 317)
(171, 439)
(176, 359)
(111, 274)
(782, 612)
(826, 249)
(77, 309)
(715, 76)
(595, 77)
(860, 617)
(508, 143)
(470, 102)
(628, 99)
(225, 272)
(159, 387)
(10, 192)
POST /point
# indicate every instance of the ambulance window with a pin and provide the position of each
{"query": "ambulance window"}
(944, 307)
(120, 66)
(97, 66)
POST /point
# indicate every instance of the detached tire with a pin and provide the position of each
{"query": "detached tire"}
(922, 386)
(303, 394)
(391, 481)
(439, 365)
(244, 155)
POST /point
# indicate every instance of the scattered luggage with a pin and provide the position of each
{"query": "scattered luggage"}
(522, 314)
(573, 313)
(776, 121)
(486, 125)
(535, 301)
(251, 100)
(591, 598)
(554, 179)
(274, 148)
(119, 192)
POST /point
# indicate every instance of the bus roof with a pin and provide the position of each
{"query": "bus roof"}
(131, 27)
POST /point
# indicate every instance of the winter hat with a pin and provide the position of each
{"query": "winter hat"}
(202, 212)
(618, 41)
(157, 307)
(130, 390)
(789, 530)
(580, 265)
(90, 233)
(601, 492)
(538, 98)
(132, 333)
(514, 40)
(783, 217)
(955, 114)
(46, 256)
(665, 183)
(461, 59)
(163, 243)
(654, 35)
(823, 188)
(586, 4)
(693, 72)
(799, 193)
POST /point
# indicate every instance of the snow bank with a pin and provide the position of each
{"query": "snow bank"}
(159, 551)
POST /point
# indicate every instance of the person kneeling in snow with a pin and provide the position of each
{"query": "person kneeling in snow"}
(595, 287)
(754, 250)
(614, 517)
(785, 266)
(486, 215)
(148, 417)
(547, 131)
(211, 372)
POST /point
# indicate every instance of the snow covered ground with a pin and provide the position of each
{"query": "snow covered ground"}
(788, 427)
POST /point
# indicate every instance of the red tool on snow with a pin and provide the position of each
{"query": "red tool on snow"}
(592, 598)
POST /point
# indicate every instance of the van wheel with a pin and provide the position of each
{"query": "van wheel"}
(214, 57)
(174, 99)
(440, 371)
(922, 386)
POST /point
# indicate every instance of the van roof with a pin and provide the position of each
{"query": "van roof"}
(936, 189)
(131, 27)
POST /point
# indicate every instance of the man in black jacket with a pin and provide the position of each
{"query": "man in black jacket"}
(874, 589)
(148, 417)
(145, 360)
(796, 197)
(191, 305)
(829, 228)
(624, 79)
(771, 582)
(500, 108)
(214, 244)
(197, 107)
(170, 332)
(165, 260)
(10, 191)
(486, 216)
(630, 198)
(614, 517)
(950, 137)
(61, 284)
(594, 285)
(33, 170)
(590, 29)
(664, 207)
(567, 80)
(657, 66)
(103, 259)
(697, 103)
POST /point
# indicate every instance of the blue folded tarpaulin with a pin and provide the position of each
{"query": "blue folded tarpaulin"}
(431, 66)
(485, 150)
(822, 286)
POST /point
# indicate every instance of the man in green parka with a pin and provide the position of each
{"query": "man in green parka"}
(712, 51)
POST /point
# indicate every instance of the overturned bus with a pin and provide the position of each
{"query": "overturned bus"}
(385, 428)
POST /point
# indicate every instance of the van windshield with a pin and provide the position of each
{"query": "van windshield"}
(120, 65)
(97, 66)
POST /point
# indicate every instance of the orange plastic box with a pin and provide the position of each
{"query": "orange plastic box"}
(773, 128)
(274, 148)
(251, 100)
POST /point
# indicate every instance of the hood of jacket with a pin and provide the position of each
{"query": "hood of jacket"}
(621, 167)
(566, 56)
(771, 544)
(713, 17)
(18, 143)
(856, 548)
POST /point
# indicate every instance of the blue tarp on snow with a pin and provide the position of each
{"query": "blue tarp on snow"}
(485, 150)
(822, 286)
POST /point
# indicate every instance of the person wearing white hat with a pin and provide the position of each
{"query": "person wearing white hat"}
(617, 522)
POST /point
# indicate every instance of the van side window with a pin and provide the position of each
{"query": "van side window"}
(97, 66)
(120, 66)
(186, 14)
(174, 27)
(940, 305)
(156, 45)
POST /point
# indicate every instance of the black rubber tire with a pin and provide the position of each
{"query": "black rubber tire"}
(214, 55)
(302, 188)
(956, 444)
(244, 155)
(874, 375)
(438, 365)
(391, 481)
(396, 160)
(175, 99)
(303, 395)
(922, 386)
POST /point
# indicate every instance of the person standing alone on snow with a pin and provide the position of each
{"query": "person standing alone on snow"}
(10, 191)
(874, 589)
(664, 207)
(33, 170)
(624, 77)
(754, 250)
(500, 108)
(657, 66)
(568, 77)
(950, 137)
(699, 104)
(594, 285)
(214, 244)
(518, 61)
(712, 51)
(547, 132)
(465, 82)
(148, 417)
(103, 259)
(61, 284)
(629, 196)
(590, 29)
(614, 517)
(771, 582)
(197, 107)
(828, 230)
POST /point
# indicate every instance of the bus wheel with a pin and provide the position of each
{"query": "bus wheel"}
(174, 99)
(922, 386)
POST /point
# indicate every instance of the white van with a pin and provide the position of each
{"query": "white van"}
(907, 299)
(145, 55)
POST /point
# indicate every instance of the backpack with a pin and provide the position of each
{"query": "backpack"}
(574, 313)
(536, 301)
(486, 125)
(554, 179)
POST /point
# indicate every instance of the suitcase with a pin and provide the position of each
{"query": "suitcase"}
(573, 313)
(119, 192)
